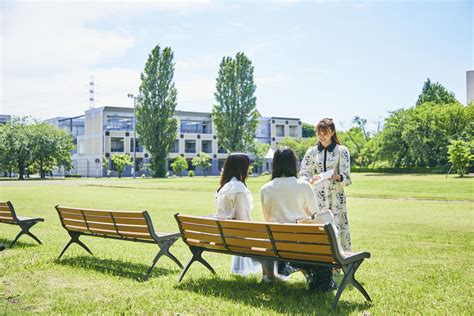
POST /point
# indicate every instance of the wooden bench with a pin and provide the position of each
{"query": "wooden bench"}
(8, 216)
(302, 243)
(121, 225)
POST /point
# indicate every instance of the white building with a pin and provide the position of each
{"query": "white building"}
(109, 130)
(470, 86)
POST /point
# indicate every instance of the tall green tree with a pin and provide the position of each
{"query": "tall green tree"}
(299, 146)
(461, 155)
(436, 93)
(119, 162)
(308, 130)
(51, 147)
(202, 161)
(156, 106)
(259, 150)
(234, 114)
(179, 164)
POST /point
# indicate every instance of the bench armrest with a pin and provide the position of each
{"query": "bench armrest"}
(349, 257)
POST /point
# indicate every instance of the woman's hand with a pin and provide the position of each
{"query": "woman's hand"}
(314, 179)
(336, 177)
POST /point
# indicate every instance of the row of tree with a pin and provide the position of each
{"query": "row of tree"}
(437, 132)
(29, 147)
(234, 114)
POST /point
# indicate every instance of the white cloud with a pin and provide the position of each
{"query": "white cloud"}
(49, 49)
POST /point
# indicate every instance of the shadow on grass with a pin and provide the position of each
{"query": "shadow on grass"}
(134, 271)
(286, 298)
(19, 243)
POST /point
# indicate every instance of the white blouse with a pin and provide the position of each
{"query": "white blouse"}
(234, 201)
(285, 200)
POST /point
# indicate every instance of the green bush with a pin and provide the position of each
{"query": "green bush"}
(191, 173)
(73, 176)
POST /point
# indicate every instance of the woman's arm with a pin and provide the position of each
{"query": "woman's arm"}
(308, 165)
(243, 206)
(344, 166)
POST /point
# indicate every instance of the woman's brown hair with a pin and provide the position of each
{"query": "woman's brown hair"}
(236, 165)
(326, 125)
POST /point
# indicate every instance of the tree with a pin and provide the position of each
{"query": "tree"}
(51, 147)
(259, 150)
(119, 162)
(202, 161)
(235, 115)
(179, 164)
(299, 146)
(308, 130)
(155, 108)
(436, 93)
(460, 155)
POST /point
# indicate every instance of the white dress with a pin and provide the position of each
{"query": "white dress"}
(234, 201)
(330, 194)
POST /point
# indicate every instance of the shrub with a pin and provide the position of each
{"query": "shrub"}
(191, 173)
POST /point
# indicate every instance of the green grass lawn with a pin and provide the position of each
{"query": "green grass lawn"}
(419, 229)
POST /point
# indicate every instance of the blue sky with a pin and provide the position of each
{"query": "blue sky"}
(312, 59)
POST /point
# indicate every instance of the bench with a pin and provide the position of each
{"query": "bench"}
(310, 244)
(8, 216)
(121, 225)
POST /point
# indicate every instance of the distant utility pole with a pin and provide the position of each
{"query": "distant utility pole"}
(91, 92)
(134, 165)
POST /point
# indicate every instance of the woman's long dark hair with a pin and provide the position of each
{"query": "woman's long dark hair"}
(327, 125)
(236, 165)
(284, 163)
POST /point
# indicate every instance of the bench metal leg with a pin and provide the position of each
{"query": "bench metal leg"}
(74, 239)
(164, 251)
(197, 252)
(25, 230)
(349, 278)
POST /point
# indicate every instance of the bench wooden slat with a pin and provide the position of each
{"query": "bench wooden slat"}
(72, 216)
(206, 245)
(255, 251)
(76, 223)
(6, 214)
(200, 228)
(315, 238)
(297, 228)
(198, 220)
(3, 203)
(122, 228)
(114, 213)
(231, 232)
(203, 237)
(7, 219)
(307, 257)
(306, 248)
(243, 225)
(248, 243)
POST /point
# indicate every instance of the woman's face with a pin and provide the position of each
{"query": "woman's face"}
(324, 137)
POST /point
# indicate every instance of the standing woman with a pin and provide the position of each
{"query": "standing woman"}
(326, 155)
(234, 201)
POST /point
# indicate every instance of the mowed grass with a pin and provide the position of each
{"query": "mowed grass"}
(419, 229)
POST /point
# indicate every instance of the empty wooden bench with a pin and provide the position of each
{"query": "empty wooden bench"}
(121, 225)
(303, 243)
(8, 216)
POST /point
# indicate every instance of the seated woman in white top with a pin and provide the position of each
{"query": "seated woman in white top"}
(287, 199)
(234, 201)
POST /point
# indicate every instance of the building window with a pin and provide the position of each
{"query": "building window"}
(189, 146)
(221, 150)
(207, 146)
(119, 123)
(139, 148)
(117, 145)
(293, 131)
(175, 148)
(195, 127)
(280, 130)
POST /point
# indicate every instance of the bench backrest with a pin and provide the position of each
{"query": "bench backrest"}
(7, 212)
(297, 242)
(107, 223)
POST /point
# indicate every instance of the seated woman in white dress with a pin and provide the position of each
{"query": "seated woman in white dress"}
(234, 201)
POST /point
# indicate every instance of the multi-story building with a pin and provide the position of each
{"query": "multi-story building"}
(109, 130)
(470, 86)
(4, 119)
